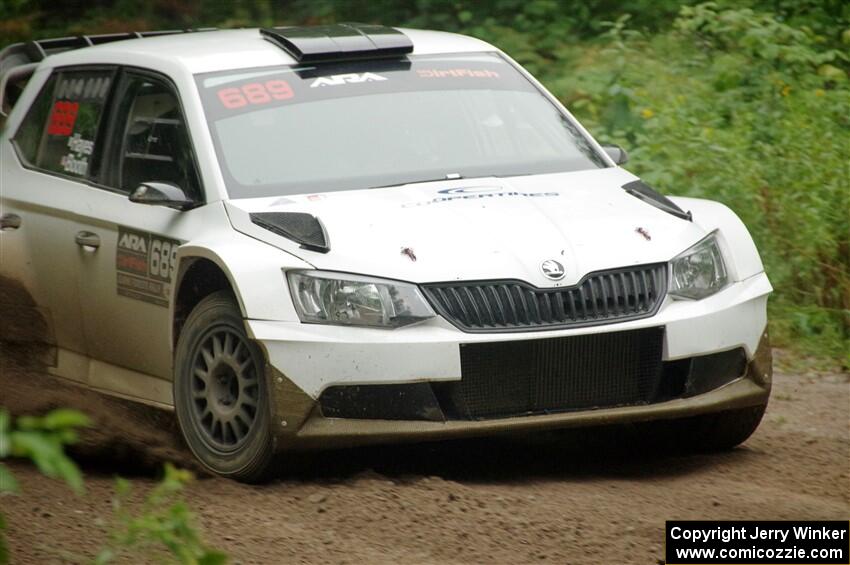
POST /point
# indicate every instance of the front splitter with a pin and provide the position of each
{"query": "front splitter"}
(320, 432)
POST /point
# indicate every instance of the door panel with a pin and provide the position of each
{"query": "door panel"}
(127, 282)
(45, 171)
(38, 263)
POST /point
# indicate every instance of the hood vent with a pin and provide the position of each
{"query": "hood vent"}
(643, 191)
(304, 229)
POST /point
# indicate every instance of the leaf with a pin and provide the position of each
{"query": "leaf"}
(122, 487)
(70, 473)
(63, 418)
(29, 423)
(7, 480)
(105, 556)
(5, 442)
(47, 454)
(212, 557)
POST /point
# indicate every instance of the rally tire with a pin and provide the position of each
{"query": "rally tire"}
(221, 394)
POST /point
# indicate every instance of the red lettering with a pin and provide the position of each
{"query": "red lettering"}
(255, 93)
(279, 89)
(231, 98)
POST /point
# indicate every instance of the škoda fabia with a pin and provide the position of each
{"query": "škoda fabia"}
(338, 235)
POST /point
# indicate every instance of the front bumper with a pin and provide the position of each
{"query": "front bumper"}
(306, 360)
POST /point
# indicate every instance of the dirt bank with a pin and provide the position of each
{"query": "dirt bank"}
(584, 498)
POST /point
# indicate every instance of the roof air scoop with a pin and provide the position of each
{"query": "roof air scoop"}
(302, 228)
(339, 42)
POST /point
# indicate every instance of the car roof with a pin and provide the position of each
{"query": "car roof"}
(218, 50)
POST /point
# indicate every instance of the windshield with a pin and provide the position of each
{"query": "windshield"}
(346, 126)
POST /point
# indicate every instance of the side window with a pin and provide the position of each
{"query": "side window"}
(155, 142)
(29, 134)
(74, 118)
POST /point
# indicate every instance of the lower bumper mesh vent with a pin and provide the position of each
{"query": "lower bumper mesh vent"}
(560, 374)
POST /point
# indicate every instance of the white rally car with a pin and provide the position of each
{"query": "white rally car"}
(305, 237)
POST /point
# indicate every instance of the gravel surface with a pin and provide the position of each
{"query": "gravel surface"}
(590, 496)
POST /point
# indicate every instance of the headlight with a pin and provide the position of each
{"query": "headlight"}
(350, 300)
(699, 271)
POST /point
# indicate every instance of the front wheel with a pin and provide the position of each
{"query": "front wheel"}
(220, 392)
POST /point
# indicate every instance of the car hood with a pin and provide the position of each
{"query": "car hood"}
(481, 229)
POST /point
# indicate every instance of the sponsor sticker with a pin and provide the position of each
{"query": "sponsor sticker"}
(348, 78)
(478, 193)
(457, 73)
(255, 93)
(92, 88)
(77, 161)
(146, 264)
(62, 118)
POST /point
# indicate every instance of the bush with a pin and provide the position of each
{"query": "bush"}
(162, 521)
(42, 440)
(161, 524)
(736, 106)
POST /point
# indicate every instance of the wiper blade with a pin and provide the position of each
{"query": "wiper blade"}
(450, 176)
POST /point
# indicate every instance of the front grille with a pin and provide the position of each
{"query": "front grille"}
(603, 297)
(553, 375)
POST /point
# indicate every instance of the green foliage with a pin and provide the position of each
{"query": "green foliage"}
(163, 520)
(41, 440)
(735, 106)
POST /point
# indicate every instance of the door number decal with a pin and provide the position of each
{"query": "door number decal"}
(146, 264)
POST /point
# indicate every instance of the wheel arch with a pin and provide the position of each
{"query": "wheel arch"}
(198, 277)
(252, 271)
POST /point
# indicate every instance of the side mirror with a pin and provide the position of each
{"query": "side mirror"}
(162, 194)
(617, 154)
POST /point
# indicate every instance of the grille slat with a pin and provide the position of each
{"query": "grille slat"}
(511, 306)
(535, 307)
(482, 298)
(645, 288)
(474, 306)
(634, 293)
(501, 379)
(625, 290)
(615, 295)
(593, 302)
(582, 302)
(494, 291)
(603, 297)
(604, 292)
(522, 313)
(547, 308)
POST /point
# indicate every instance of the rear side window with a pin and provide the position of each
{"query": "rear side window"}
(31, 131)
(72, 127)
(61, 129)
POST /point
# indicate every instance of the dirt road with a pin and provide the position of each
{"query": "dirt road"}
(583, 498)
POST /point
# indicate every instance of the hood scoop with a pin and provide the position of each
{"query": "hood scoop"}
(643, 191)
(304, 229)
